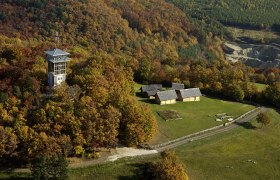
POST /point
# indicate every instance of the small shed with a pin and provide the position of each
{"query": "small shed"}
(178, 86)
(151, 94)
(166, 97)
(186, 95)
(151, 87)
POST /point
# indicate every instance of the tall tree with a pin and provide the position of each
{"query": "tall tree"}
(8, 141)
(263, 118)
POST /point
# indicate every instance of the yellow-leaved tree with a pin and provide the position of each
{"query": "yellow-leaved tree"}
(168, 168)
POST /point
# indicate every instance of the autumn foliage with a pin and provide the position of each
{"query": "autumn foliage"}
(112, 44)
(169, 168)
(95, 108)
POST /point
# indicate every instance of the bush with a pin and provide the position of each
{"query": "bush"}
(263, 118)
(49, 168)
(168, 168)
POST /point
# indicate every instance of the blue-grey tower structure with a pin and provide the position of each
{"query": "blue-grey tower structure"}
(57, 65)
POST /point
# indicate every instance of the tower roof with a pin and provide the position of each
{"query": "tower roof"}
(57, 52)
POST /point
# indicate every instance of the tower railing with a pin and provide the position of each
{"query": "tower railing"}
(56, 59)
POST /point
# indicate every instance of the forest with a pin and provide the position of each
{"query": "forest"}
(252, 14)
(112, 44)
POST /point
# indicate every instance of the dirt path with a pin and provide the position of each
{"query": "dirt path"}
(118, 153)
(130, 152)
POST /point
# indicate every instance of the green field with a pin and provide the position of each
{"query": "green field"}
(121, 169)
(260, 87)
(196, 116)
(210, 158)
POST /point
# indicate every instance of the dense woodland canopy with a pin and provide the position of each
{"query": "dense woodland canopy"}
(112, 44)
(96, 109)
(208, 14)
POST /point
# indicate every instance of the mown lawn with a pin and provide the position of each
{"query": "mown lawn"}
(232, 155)
(196, 116)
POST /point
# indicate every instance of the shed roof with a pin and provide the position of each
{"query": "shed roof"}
(166, 95)
(57, 52)
(193, 92)
(151, 87)
(178, 86)
(152, 92)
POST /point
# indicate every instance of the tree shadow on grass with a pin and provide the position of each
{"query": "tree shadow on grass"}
(246, 125)
(139, 94)
(148, 101)
(140, 172)
(15, 176)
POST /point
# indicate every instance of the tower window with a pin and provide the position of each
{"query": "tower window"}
(60, 68)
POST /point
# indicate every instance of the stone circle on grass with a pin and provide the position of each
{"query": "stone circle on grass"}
(169, 115)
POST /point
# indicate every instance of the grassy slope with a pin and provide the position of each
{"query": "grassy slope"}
(14, 176)
(196, 116)
(121, 169)
(208, 159)
(257, 35)
(260, 87)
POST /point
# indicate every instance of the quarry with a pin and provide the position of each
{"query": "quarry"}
(254, 55)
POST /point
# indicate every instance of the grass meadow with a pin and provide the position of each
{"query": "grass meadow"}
(257, 35)
(238, 154)
(260, 87)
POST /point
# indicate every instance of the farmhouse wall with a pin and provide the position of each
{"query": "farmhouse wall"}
(189, 99)
(173, 101)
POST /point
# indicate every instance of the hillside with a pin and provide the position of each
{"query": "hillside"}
(253, 24)
(111, 44)
(78, 22)
(210, 16)
(155, 36)
(97, 25)
(258, 14)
